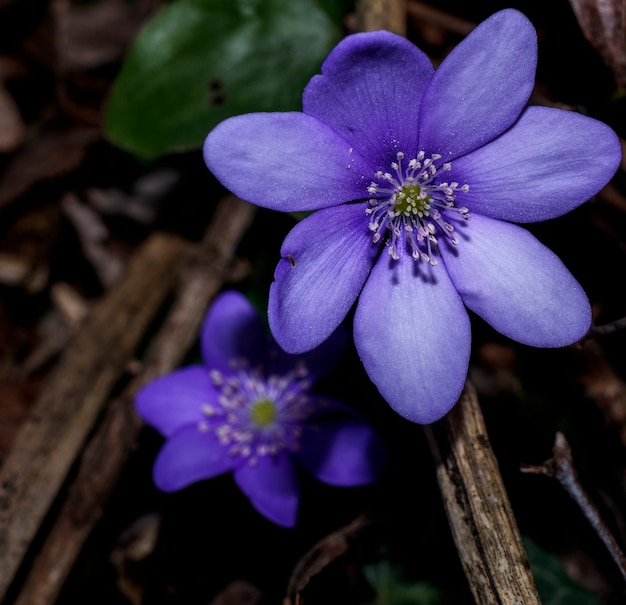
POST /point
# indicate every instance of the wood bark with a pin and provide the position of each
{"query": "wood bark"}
(105, 455)
(481, 519)
(62, 417)
(382, 14)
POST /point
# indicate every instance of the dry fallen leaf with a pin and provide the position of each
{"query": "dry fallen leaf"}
(93, 237)
(136, 543)
(238, 592)
(97, 33)
(320, 556)
(46, 157)
(604, 24)
(605, 387)
(12, 127)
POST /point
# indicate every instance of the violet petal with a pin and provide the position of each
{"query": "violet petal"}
(413, 335)
(481, 87)
(190, 455)
(319, 361)
(285, 161)
(273, 488)
(370, 91)
(517, 285)
(232, 330)
(550, 162)
(176, 399)
(326, 259)
(342, 451)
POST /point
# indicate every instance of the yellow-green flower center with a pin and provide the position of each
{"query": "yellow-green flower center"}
(263, 412)
(411, 205)
(412, 201)
(258, 415)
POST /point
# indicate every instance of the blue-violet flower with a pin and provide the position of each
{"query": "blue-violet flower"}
(434, 166)
(248, 410)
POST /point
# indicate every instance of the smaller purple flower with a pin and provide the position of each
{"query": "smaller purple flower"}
(248, 410)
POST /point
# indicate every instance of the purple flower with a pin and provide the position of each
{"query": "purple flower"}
(435, 167)
(248, 410)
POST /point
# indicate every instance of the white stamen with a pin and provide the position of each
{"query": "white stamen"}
(255, 415)
(412, 205)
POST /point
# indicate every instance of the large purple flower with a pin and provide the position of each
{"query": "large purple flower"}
(248, 410)
(436, 166)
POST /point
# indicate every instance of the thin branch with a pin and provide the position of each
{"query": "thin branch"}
(561, 468)
(439, 18)
(610, 328)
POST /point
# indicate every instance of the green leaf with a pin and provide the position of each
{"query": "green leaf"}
(554, 585)
(391, 589)
(198, 62)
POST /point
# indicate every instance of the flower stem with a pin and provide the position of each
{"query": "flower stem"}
(480, 515)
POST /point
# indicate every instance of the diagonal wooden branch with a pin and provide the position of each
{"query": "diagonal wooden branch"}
(106, 453)
(62, 417)
(480, 515)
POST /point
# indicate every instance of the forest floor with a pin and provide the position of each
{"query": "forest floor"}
(76, 215)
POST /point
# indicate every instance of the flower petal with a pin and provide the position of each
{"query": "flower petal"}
(272, 487)
(326, 259)
(413, 335)
(233, 330)
(370, 92)
(481, 87)
(341, 450)
(517, 285)
(550, 162)
(285, 161)
(319, 361)
(190, 455)
(176, 399)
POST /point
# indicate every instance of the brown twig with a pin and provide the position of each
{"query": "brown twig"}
(613, 197)
(107, 452)
(614, 326)
(439, 18)
(382, 14)
(51, 437)
(604, 386)
(561, 468)
(480, 515)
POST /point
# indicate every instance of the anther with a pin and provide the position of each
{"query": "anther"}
(414, 206)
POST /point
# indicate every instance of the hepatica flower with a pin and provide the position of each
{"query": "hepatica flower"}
(418, 177)
(248, 409)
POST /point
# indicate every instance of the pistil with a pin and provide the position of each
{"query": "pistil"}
(414, 202)
(258, 415)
